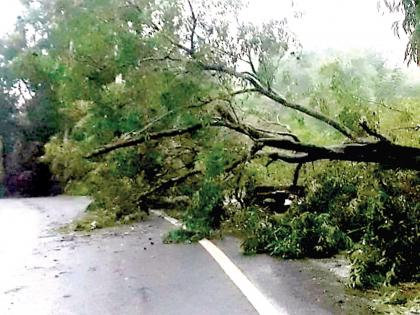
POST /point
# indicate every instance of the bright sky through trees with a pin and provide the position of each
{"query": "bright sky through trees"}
(338, 24)
(9, 10)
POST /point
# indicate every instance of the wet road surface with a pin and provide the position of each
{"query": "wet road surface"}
(128, 270)
(117, 271)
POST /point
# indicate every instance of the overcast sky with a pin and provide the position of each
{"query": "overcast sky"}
(9, 10)
(337, 24)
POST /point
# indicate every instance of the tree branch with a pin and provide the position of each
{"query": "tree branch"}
(278, 99)
(167, 57)
(254, 80)
(372, 132)
(193, 27)
(382, 152)
(253, 69)
(413, 128)
(276, 123)
(244, 91)
(148, 126)
(296, 174)
(247, 157)
(278, 133)
(123, 143)
(168, 183)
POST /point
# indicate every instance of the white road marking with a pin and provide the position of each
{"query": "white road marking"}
(261, 303)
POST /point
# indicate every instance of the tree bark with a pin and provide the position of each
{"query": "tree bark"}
(381, 151)
(384, 153)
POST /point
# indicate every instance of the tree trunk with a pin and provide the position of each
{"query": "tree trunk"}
(2, 169)
(290, 150)
(384, 153)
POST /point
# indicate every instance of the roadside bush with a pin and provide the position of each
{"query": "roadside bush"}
(307, 234)
(256, 227)
(369, 210)
(296, 236)
(378, 209)
(391, 234)
(202, 218)
(334, 188)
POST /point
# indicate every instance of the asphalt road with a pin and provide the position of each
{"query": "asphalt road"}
(128, 270)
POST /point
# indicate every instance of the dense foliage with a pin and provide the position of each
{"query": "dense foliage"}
(348, 207)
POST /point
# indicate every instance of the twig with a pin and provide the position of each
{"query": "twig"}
(414, 128)
(372, 132)
(278, 123)
(283, 134)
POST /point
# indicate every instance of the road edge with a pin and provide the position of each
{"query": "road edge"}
(255, 297)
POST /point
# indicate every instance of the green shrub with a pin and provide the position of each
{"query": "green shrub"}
(391, 233)
(202, 218)
(333, 188)
(371, 211)
(308, 234)
(257, 228)
(368, 268)
(295, 236)
(378, 209)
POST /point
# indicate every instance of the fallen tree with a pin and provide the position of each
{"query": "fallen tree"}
(381, 151)
(151, 100)
(256, 81)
